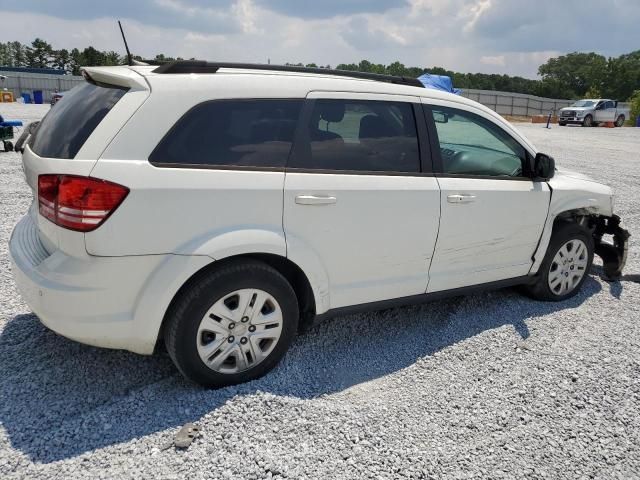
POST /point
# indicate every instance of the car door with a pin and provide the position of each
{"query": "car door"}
(492, 213)
(605, 111)
(361, 206)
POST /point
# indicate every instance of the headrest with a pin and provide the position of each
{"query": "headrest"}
(372, 126)
(331, 111)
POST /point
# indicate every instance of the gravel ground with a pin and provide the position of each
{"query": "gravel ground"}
(492, 385)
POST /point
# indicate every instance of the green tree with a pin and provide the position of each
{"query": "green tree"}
(18, 54)
(39, 54)
(576, 72)
(62, 60)
(635, 106)
(593, 92)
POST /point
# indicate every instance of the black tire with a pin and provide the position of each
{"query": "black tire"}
(8, 147)
(620, 121)
(588, 121)
(562, 124)
(186, 313)
(563, 233)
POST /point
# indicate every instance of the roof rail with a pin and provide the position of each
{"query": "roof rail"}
(200, 66)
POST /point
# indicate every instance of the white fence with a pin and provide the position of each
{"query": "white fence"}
(516, 104)
(18, 82)
(505, 103)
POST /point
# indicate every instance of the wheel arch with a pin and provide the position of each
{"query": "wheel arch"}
(288, 269)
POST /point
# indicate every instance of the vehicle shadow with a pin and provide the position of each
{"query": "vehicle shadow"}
(61, 399)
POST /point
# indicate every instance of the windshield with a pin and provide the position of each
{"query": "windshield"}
(584, 103)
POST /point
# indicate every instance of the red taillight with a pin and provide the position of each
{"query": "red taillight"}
(78, 203)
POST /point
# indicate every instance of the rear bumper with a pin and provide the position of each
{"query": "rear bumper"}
(91, 299)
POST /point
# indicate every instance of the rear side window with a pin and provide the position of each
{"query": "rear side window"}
(248, 133)
(70, 122)
(360, 135)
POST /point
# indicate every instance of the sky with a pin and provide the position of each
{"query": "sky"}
(490, 36)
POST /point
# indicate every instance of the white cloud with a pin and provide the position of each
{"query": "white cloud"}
(498, 60)
(492, 36)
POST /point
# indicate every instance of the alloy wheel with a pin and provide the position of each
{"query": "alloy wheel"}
(568, 267)
(239, 331)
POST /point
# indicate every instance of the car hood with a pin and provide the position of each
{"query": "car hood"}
(570, 174)
(573, 190)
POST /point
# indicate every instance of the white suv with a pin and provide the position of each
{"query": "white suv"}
(221, 208)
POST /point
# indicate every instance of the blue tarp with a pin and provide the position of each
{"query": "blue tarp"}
(439, 82)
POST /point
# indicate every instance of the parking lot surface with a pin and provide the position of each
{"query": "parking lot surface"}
(493, 385)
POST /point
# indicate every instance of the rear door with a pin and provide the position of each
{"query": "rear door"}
(492, 212)
(361, 207)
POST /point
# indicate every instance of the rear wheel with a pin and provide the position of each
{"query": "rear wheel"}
(566, 264)
(8, 146)
(588, 121)
(620, 121)
(233, 325)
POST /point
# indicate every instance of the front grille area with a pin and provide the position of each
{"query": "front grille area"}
(568, 113)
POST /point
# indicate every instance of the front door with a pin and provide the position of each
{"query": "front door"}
(492, 214)
(358, 211)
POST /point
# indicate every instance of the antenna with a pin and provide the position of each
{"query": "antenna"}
(124, 39)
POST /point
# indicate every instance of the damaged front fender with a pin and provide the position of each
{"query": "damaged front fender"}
(614, 255)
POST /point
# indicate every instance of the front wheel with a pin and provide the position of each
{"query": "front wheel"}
(8, 147)
(562, 124)
(588, 121)
(232, 325)
(620, 121)
(565, 265)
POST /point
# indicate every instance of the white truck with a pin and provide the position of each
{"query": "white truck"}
(592, 112)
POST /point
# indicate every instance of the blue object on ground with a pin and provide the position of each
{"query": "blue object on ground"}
(11, 123)
(439, 82)
(638, 121)
(38, 97)
(26, 97)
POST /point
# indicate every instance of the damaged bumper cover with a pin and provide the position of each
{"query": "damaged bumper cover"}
(614, 255)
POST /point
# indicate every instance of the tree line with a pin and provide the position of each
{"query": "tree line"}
(575, 75)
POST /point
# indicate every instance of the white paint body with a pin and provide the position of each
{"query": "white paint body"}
(384, 237)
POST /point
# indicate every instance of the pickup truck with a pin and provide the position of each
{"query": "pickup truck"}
(591, 112)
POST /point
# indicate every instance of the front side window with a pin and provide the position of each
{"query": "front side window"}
(360, 135)
(70, 122)
(473, 145)
(247, 133)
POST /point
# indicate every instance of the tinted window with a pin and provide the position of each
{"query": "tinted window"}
(66, 127)
(256, 133)
(472, 145)
(360, 135)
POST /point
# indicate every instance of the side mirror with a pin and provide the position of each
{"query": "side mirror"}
(440, 117)
(544, 166)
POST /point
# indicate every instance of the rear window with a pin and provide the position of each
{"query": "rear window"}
(246, 133)
(66, 127)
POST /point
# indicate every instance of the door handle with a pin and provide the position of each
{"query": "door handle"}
(457, 198)
(315, 200)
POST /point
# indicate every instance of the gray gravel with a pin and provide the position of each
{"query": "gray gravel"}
(492, 385)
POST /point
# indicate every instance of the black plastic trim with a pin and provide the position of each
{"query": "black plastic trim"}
(424, 143)
(207, 166)
(380, 173)
(201, 66)
(424, 297)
